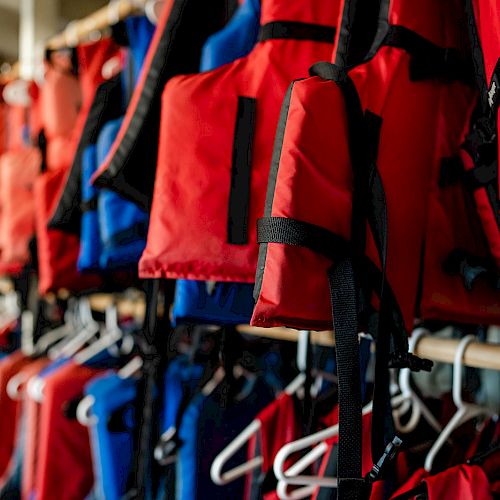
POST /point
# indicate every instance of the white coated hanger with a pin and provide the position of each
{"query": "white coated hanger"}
(111, 335)
(222, 478)
(291, 475)
(465, 411)
(84, 413)
(412, 401)
(90, 329)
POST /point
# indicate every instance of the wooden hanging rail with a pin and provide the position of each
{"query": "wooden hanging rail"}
(79, 31)
(477, 355)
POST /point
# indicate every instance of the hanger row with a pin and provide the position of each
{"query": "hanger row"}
(115, 11)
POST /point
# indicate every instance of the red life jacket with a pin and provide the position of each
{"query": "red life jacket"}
(312, 162)
(18, 171)
(346, 208)
(175, 49)
(214, 183)
(58, 251)
(456, 282)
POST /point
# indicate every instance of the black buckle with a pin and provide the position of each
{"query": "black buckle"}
(391, 450)
(400, 359)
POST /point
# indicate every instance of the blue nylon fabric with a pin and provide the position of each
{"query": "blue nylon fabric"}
(90, 245)
(236, 39)
(116, 215)
(207, 427)
(112, 452)
(228, 303)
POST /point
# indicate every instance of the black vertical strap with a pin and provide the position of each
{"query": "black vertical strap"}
(239, 196)
(477, 55)
(344, 308)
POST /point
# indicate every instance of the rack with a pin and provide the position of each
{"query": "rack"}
(78, 31)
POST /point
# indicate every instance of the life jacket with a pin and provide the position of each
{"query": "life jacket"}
(18, 171)
(109, 103)
(58, 251)
(63, 442)
(182, 29)
(359, 137)
(60, 102)
(114, 230)
(221, 303)
(122, 224)
(230, 116)
(457, 283)
(112, 448)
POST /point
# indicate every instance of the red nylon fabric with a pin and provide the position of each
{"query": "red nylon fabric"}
(64, 444)
(462, 482)
(314, 179)
(9, 366)
(193, 178)
(58, 251)
(453, 223)
(31, 411)
(18, 171)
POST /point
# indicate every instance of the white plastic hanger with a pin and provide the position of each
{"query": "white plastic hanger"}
(84, 413)
(90, 329)
(110, 336)
(291, 475)
(412, 401)
(222, 478)
(465, 411)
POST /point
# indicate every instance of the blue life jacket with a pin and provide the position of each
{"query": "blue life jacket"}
(225, 303)
(112, 450)
(113, 232)
(122, 224)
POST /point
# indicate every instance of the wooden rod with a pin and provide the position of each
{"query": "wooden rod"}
(477, 354)
(79, 31)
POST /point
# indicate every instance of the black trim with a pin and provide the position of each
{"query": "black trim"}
(428, 60)
(131, 171)
(451, 171)
(241, 171)
(107, 106)
(290, 30)
(271, 184)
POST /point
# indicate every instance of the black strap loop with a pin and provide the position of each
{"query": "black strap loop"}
(297, 31)
(304, 234)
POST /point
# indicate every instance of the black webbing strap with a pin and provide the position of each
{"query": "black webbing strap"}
(241, 172)
(345, 278)
(303, 234)
(345, 312)
(428, 60)
(89, 205)
(297, 31)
